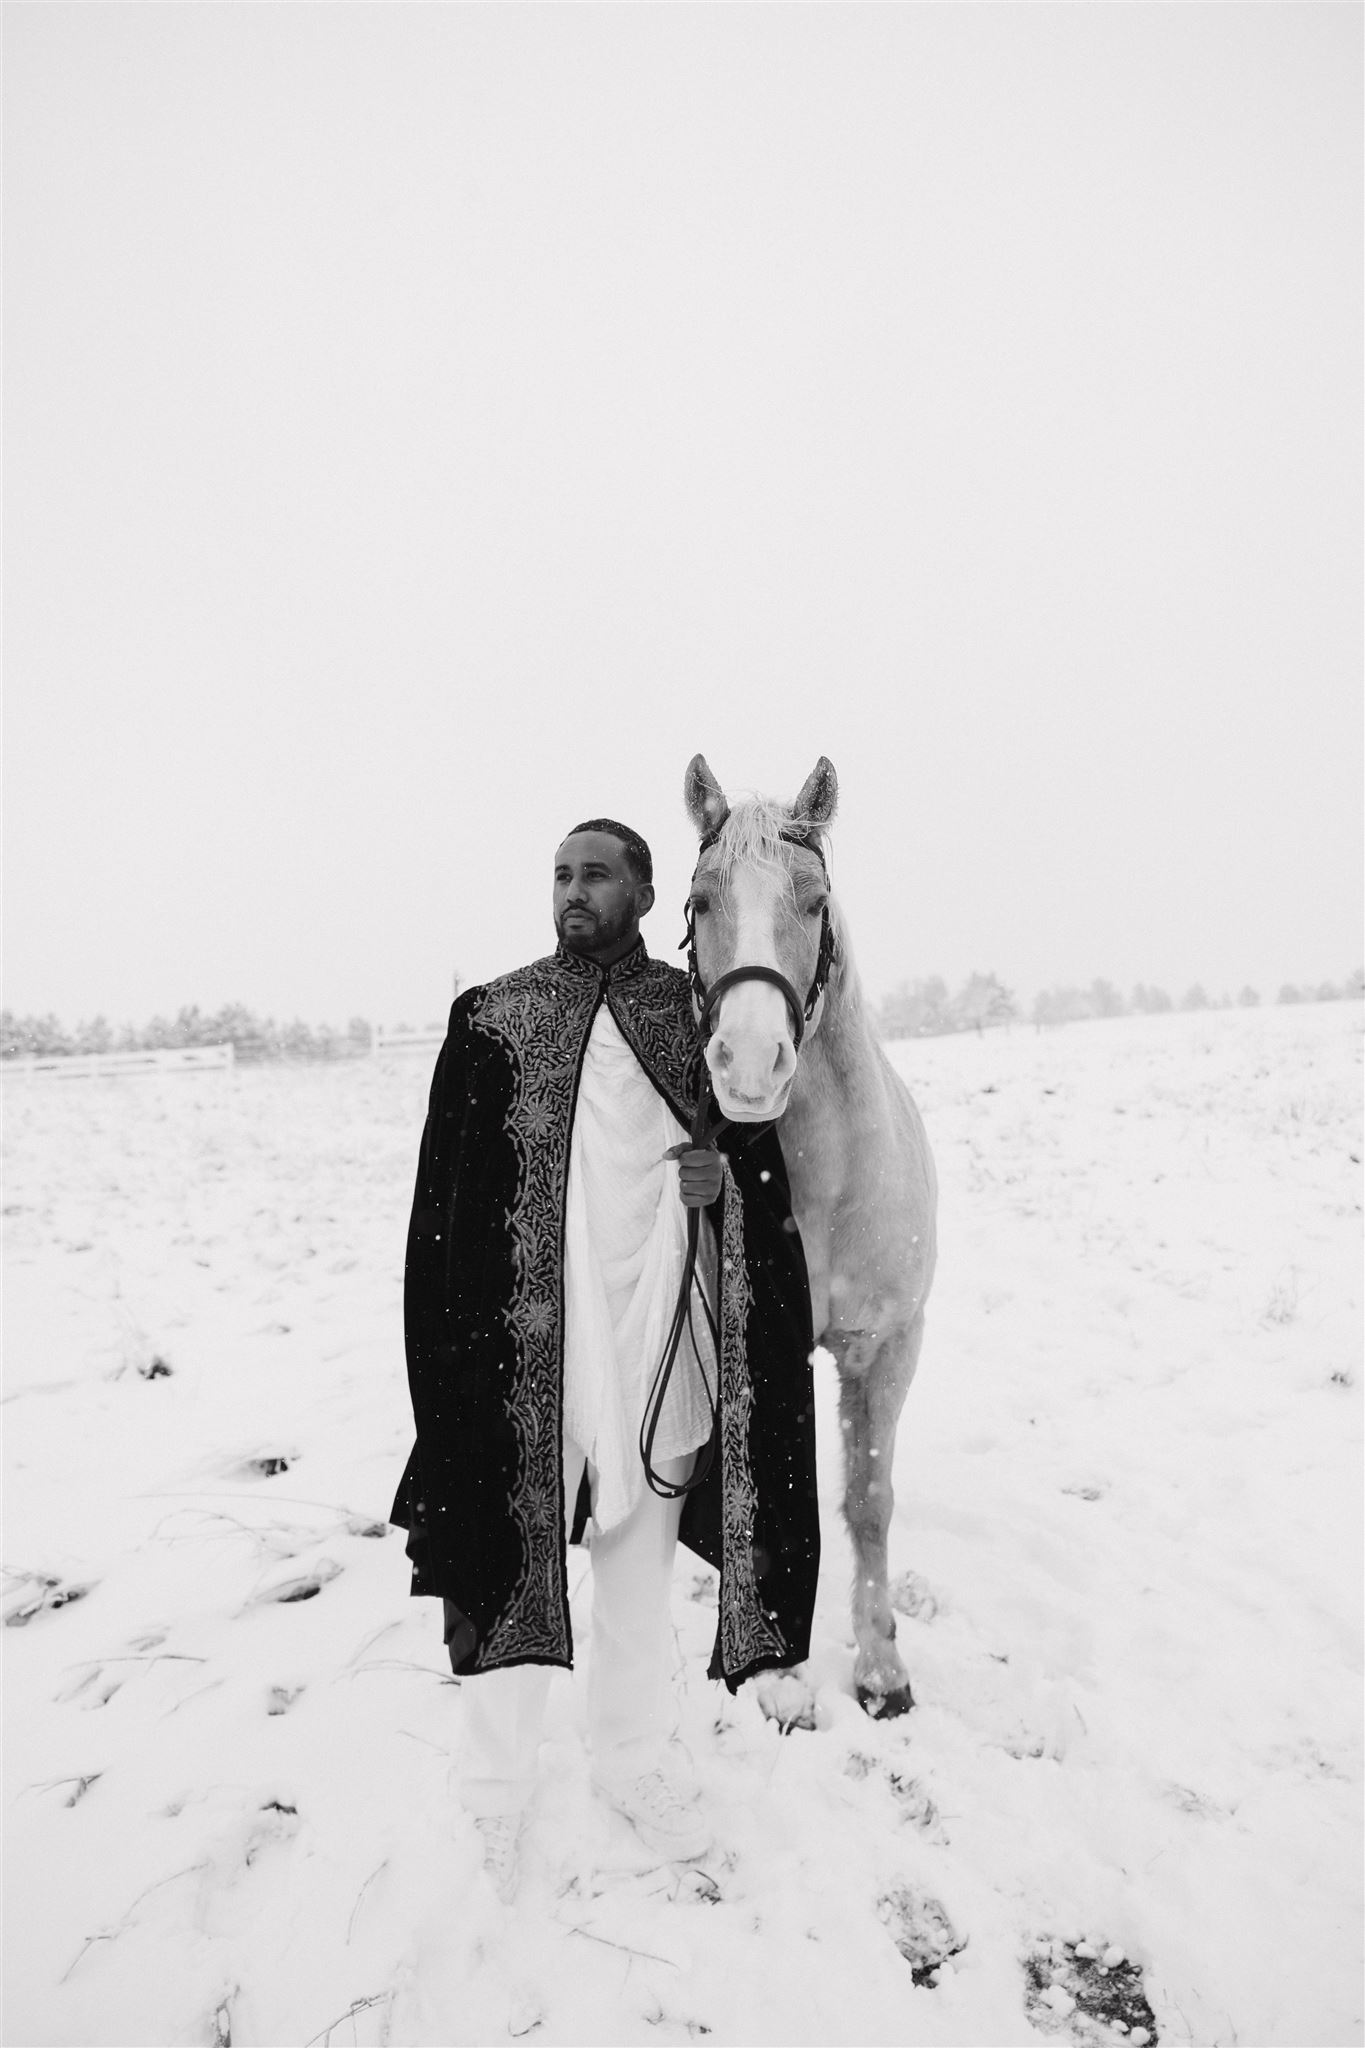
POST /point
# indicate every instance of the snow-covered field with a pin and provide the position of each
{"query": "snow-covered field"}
(1127, 1546)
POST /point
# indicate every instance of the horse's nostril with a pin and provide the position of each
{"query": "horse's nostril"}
(723, 1053)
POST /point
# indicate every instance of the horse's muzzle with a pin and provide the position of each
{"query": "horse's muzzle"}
(745, 1108)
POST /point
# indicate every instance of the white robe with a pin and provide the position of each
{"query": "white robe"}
(625, 1241)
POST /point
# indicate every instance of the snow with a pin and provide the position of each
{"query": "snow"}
(1126, 1557)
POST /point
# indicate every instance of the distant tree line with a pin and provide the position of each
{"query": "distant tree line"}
(926, 1009)
(250, 1036)
(916, 1009)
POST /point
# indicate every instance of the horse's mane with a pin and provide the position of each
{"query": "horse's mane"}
(752, 835)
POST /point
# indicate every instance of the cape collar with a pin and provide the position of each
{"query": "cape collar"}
(628, 968)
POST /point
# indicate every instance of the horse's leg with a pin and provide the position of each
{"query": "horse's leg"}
(872, 1392)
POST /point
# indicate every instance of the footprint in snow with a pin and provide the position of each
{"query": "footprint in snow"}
(247, 1833)
(144, 1364)
(1198, 1804)
(306, 1587)
(786, 1698)
(1090, 1991)
(40, 1593)
(261, 1465)
(524, 2014)
(1024, 1746)
(921, 1929)
(914, 1805)
(912, 1595)
(276, 1822)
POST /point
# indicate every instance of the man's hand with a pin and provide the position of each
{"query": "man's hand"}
(700, 1174)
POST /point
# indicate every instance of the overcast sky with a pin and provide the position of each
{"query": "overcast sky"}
(429, 425)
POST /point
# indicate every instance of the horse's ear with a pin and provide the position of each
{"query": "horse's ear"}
(819, 798)
(704, 797)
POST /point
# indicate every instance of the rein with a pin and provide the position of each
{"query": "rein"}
(704, 1135)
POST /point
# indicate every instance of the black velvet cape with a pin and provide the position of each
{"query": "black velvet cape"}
(482, 1496)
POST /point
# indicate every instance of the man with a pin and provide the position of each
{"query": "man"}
(544, 1258)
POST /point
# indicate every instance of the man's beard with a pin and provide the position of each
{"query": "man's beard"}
(593, 934)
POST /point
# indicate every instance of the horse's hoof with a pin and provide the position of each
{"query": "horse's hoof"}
(885, 1706)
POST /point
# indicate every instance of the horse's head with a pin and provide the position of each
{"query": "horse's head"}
(759, 916)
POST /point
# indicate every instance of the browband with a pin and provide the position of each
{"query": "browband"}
(791, 838)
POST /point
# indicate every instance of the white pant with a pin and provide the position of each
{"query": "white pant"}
(628, 1664)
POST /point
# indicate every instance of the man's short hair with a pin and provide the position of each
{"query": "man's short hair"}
(638, 855)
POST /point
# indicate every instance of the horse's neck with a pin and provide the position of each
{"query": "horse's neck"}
(836, 1066)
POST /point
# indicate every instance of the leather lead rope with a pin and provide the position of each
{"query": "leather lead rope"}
(704, 1135)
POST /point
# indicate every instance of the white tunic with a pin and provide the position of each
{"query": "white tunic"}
(625, 1241)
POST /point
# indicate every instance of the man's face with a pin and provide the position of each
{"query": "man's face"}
(598, 903)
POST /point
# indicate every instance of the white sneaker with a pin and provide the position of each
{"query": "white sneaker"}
(665, 1819)
(499, 1841)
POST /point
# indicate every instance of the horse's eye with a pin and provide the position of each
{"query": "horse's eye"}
(700, 905)
(815, 908)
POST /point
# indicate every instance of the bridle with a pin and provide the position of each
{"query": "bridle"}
(704, 1135)
(707, 999)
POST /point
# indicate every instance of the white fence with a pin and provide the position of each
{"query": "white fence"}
(389, 1038)
(90, 1066)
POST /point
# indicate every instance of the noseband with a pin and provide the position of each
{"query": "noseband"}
(799, 1012)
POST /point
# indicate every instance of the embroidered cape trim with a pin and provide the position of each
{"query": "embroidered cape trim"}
(748, 1635)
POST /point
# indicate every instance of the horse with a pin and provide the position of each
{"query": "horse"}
(788, 1039)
